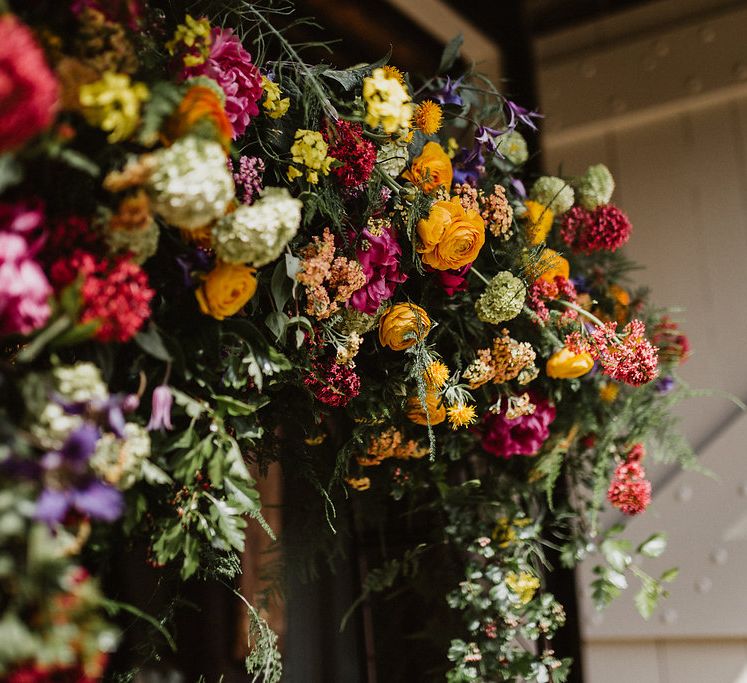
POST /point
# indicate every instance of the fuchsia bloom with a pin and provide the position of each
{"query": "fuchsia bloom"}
(248, 178)
(606, 228)
(332, 383)
(379, 254)
(28, 88)
(24, 289)
(523, 435)
(453, 281)
(230, 65)
(356, 154)
(630, 491)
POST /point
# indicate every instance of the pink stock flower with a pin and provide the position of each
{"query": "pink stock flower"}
(28, 89)
(522, 435)
(230, 65)
(24, 289)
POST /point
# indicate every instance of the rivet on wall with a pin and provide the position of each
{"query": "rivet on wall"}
(694, 84)
(707, 34)
(703, 585)
(684, 493)
(720, 556)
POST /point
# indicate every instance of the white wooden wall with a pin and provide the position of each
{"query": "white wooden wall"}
(660, 95)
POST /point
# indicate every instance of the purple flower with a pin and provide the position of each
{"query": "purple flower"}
(469, 165)
(248, 178)
(665, 385)
(160, 414)
(379, 254)
(108, 412)
(518, 113)
(519, 188)
(448, 94)
(230, 65)
(70, 485)
(521, 436)
(486, 136)
(24, 289)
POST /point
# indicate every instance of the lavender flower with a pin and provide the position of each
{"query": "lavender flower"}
(448, 94)
(248, 178)
(518, 113)
(160, 416)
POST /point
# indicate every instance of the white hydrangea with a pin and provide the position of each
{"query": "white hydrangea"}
(513, 146)
(257, 234)
(121, 461)
(595, 187)
(554, 193)
(392, 157)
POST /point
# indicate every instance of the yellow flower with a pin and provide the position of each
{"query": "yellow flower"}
(608, 392)
(450, 237)
(431, 169)
(309, 150)
(394, 72)
(436, 374)
(226, 289)
(402, 326)
(387, 101)
(428, 117)
(113, 104)
(524, 585)
(452, 147)
(274, 105)
(359, 484)
(436, 411)
(538, 219)
(550, 265)
(461, 415)
(564, 364)
(196, 36)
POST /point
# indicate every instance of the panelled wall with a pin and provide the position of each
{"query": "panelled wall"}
(659, 94)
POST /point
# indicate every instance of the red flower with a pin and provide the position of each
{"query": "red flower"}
(28, 89)
(606, 228)
(332, 383)
(357, 156)
(630, 491)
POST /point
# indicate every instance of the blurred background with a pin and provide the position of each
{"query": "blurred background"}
(657, 90)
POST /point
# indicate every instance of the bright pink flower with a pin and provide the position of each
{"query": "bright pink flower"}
(356, 154)
(379, 254)
(453, 281)
(28, 89)
(332, 383)
(630, 491)
(520, 436)
(24, 289)
(606, 228)
(230, 65)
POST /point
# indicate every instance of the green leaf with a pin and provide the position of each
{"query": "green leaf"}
(616, 553)
(550, 466)
(233, 406)
(281, 285)
(76, 334)
(653, 546)
(150, 341)
(11, 172)
(277, 321)
(450, 53)
(670, 575)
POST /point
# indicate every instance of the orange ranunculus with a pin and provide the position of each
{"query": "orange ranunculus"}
(226, 289)
(551, 265)
(436, 410)
(565, 364)
(431, 168)
(450, 237)
(402, 326)
(621, 297)
(200, 106)
(538, 220)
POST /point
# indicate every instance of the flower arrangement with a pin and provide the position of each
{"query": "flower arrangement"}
(214, 257)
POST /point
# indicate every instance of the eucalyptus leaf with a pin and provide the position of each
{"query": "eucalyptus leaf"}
(450, 53)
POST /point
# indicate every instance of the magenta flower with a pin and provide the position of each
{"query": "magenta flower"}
(453, 281)
(521, 436)
(160, 414)
(379, 254)
(24, 289)
(230, 65)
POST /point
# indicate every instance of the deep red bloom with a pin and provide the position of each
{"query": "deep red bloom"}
(332, 383)
(65, 235)
(630, 491)
(115, 293)
(674, 347)
(606, 228)
(636, 453)
(356, 154)
(453, 281)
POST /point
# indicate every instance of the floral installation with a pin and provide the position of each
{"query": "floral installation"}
(215, 257)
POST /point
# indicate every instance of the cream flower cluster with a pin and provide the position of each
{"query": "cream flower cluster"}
(387, 102)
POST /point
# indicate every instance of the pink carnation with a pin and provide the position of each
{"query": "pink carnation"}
(24, 289)
(606, 228)
(522, 435)
(230, 65)
(28, 89)
(379, 254)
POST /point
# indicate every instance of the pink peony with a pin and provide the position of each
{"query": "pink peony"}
(230, 65)
(24, 289)
(521, 436)
(28, 89)
(379, 254)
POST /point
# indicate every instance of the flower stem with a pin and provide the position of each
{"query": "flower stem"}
(480, 275)
(582, 311)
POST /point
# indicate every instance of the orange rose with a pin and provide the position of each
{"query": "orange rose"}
(226, 290)
(201, 106)
(402, 326)
(431, 169)
(538, 219)
(550, 265)
(565, 364)
(450, 237)
(436, 411)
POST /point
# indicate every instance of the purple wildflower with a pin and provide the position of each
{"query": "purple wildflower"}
(160, 415)
(248, 178)
(469, 165)
(517, 114)
(448, 94)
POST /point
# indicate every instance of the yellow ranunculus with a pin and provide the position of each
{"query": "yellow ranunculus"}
(450, 237)
(550, 265)
(226, 290)
(565, 364)
(538, 219)
(431, 168)
(402, 326)
(436, 410)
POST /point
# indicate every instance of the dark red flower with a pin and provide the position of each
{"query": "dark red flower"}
(356, 154)
(606, 228)
(332, 383)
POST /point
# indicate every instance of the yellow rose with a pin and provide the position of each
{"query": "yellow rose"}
(226, 289)
(402, 326)
(565, 364)
(550, 265)
(436, 410)
(450, 237)
(431, 169)
(538, 219)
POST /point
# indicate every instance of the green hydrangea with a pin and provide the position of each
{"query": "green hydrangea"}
(392, 158)
(140, 244)
(554, 193)
(513, 146)
(120, 461)
(595, 187)
(502, 299)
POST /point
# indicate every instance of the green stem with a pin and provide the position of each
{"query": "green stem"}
(582, 311)
(480, 275)
(529, 312)
(389, 181)
(34, 348)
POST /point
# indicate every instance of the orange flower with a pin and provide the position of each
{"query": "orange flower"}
(551, 265)
(538, 219)
(564, 364)
(450, 237)
(431, 169)
(436, 411)
(359, 483)
(201, 106)
(402, 326)
(226, 290)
